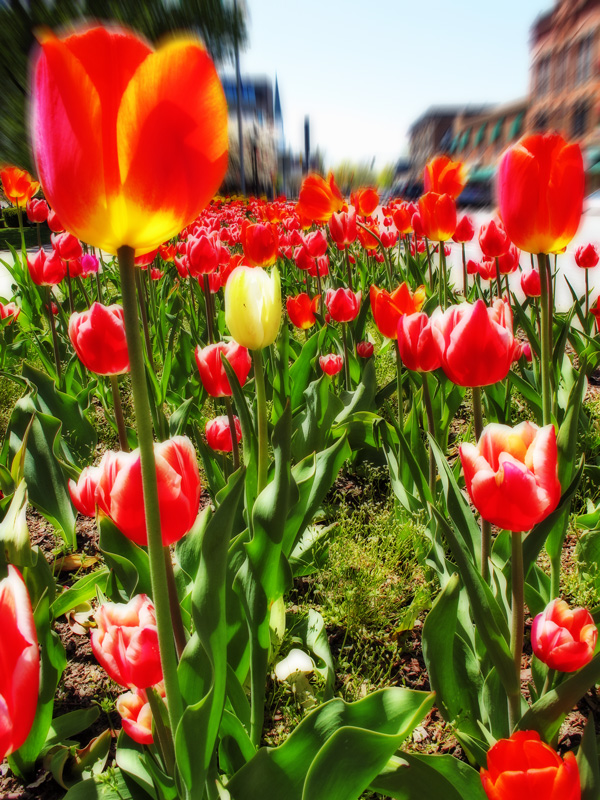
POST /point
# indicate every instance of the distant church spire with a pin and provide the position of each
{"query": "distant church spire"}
(278, 117)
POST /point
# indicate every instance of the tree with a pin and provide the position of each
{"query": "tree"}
(213, 20)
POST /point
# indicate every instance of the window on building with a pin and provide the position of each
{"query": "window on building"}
(584, 59)
(543, 76)
(560, 70)
(580, 119)
(541, 121)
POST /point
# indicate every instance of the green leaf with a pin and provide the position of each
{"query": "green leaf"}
(587, 761)
(179, 419)
(67, 725)
(413, 776)
(336, 751)
(82, 590)
(14, 533)
(113, 786)
(128, 561)
(310, 630)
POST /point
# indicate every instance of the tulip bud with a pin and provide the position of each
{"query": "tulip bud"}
(98, 336)
(253, 306)
(465, 230)
(493, 239)
(37, 210)
(343, 304)
(218, 433)
(331, 364)
(530, 283)
(9, 310)
(587, 256)
(364, 349)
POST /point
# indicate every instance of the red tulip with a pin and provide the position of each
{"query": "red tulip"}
(331, 364)
(147, 147)
(218, 433)
(37, 210)
(493, 239)
(54, 223)
(511, 474)
(143, 261)
(343, 304)
(214, 280)
(9, 310)
(203, 254)
(342, 228)
(587, 256)
(119, 494)
(388, 238)
(541, 184)
(368, 241)
(316, 243)
(465, 230)
(19, 187)
(476, 343)
(211, 369)
(438, 216)
(509, 262)
(19, 657)
(417, 226)
(564, 638)
(260, 243)
(167, 251)
(125, 642)
(595, 312)
(365, 201)
(388, 308)
(444, 177)
(525, 767)
(83, 493)
(46, 270)
(67, 246)
(530, 283)
(98, 336)
(402, 216)
(136, 714)
(320, 265)
(364, 349)
(417, 346)
(301, 310)
(472, 267)
(319, 198)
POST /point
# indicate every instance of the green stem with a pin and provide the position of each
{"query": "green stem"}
(54, 337)
(164, 741)
(549, 681)
(399, 387)
(431, 429)
(465, 273)
(443, 273)
(498, 279)
(114, 385)
(99, 287)
(70, 289)
(518, 624)
(22, 232)
(346, 361)
(348, 270)
(428, 260)
(486, 528)
(209, 319)
(234, 442)
(261, 413)
(178, 629)
(383, 250)
(85, 294)
(587, 295)
(142, 301)
(158, 575)
(544, 340)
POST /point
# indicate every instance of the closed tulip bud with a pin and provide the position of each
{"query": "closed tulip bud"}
(524, 766)
(211, 369)
(319, 198)
(9, 311)
(316, 243)
(365, 201)
(120, 496)
(83, 493)
(260, 243)
(364, 349)
(54, 223)
(444, 176)
(472, 267)
(493, 239)
(564, 638)
(476, 343)
(437, 213)
(98, 336)
(19, 187)
(301, 310)
(530, 283)
(89, 264)
(465, 230)
(218, 433)
(67, 246)
(388, 308)
(526, 351)
(541, 184)
(19, 657)
(511, 474)
(331, 364)
(343, 304)
(342, 228)
(136, 714)
(416, 344)
(402, 217)
(125, 642)
(46, 270)
(587, 256)
(253, 306)
(37, 210)
(202, 254)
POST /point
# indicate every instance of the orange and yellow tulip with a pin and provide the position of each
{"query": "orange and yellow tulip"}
(19, 187)
(444, 176)
(319, 198)
(438, 216)
(388, 307)
(365, 201)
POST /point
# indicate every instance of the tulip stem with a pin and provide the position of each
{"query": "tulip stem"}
(498, 279)
(141, 405)
(22, 232)
(518, 624)
(85, 294)
(383, 250)
(587, 295)
(209, 319)
(399, 387)
(114, 385)
(70, 289)
(54, 337)
(348, 270)
(428, 260)
(431, 429)
(486, 528)
(549, 681)
(465, 274)
(143, 315)
(346, 362)
(178, 629)
(235, 448)
(164, 740)
(261, 413)
(99, 287)
(443, 276)
(544, 339)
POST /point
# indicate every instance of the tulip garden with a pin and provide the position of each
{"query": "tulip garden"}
(195, 379)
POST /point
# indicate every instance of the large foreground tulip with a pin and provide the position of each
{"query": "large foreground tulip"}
(525, 767)
(130, 143)
(564, 638)
(119, 490)
(253, 306)
(19, 663)
(511, 474)
(98, 336)
(541, 184)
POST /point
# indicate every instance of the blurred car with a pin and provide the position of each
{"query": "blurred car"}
(475, 195)
(591, 204)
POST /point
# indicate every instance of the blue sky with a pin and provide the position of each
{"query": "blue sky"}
(364, 70)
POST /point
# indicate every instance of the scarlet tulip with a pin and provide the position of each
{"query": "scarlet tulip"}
(143, 261)
(364, 349)
(54, 223)
(595, 312)
(301, 310)
(343, 304)
(402, 216)
(260, 243)
(511, 474)
(465, 230)
(167, 252)
(342, 228)
(253, 306)
(476, 343)
(587, 256)
(525, 767)
(98, 336)
(125, 642)
(444, 177)
(19, 657)
(37, 210)
(136, 714)
(211, 369)
(83, 493)
(320, 265)
(388, 308)
(119, 492)
(331, 364)
(316, 243)
(541, 184)
(365, 201)
(438, 216)
(147, 147)
(46, 270)
(203, 254)
(19, 187)
(509, 262)
(416, 344)
(564, 638)
(493, 239)
(319, 198)
(218, 433)
(530, 283)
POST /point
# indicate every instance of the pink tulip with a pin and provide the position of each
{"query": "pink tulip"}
(83, 493)
(331, 364)
(136, 715)
(218, 433)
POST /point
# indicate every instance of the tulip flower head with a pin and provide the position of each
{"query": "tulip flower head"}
(260, 243)
(587, 256)
(437, 213)
(9, 311)
(19, 657)
(530, 283)
(37, 210)
(98, 336)
(540, 186)
(18, 185)
(388, 307)
(365, 201)
(253, 306)
(218, 433)
(331, 364)
(416, 343)
(564, 638)
(136, 714)
(493, 239)
(319, 198)
(147, 148)
(46, 270)
(511, 474)
(465, 230)
(343, 304)
(211, 369)
(342, 228)
(524, 766)
(83, 493)
(364, 349)
(301, 310)
(402, 217)
(444, 176)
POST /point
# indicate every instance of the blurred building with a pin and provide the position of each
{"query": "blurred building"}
(434, 130)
